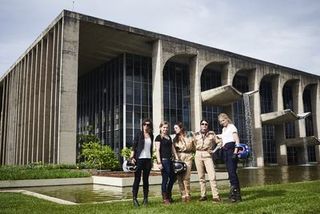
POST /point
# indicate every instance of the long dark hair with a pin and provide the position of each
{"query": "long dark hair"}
(147, 120)
(182, 131)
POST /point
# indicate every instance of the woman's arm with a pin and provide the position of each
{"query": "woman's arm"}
(157, 144)
(237, 140)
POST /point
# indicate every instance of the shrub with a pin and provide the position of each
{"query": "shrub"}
(126, 152)
(99, 156)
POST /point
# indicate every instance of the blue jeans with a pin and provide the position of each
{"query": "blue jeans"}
(168, 176)
(231, 164)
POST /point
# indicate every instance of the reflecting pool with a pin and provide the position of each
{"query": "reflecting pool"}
(247, 176)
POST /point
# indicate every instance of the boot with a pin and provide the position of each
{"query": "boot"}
(165, 198)
(231, 192)
(236, 196)
(170, 197)
(134, 198)
(135, 202)
(145, 197)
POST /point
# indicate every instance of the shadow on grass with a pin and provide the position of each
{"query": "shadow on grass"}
(256, 194)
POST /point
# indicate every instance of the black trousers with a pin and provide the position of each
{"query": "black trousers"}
(143, 166)
(231, 164)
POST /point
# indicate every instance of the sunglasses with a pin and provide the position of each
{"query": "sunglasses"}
(204, 124)
(146, 124)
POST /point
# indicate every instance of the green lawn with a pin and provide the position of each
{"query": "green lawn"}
(302, 197)
(41, 172)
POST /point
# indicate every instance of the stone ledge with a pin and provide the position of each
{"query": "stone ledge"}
(153, 180)
(101, 180)
(45, 182)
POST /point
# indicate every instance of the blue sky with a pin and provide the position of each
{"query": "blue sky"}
(285, 32)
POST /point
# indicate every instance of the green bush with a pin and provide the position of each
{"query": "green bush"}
(126, 152)
(99, 156)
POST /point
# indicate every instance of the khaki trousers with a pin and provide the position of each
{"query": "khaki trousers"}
(204, 163)
(184, 178)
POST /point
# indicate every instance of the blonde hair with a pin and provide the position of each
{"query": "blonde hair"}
(162, 124)
(225, 116)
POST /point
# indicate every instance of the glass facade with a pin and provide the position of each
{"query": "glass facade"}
(309, 123)
(210, 79)
(268, 131)
(288, 104)
(101, 100)
(100, 95)
(176, 94)
(138, 100)
(239, 117)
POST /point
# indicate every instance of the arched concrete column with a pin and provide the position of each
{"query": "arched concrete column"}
(277, 88)
(254, 84)
(195, 93)
(300, 128)
(197, 64)
(161, 53)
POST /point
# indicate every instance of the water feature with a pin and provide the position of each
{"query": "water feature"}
(250, 176)
(248, 124)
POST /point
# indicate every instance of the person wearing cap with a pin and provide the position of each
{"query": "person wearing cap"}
(204, 142)
(230, 139)
(141, 156)
(184, 144)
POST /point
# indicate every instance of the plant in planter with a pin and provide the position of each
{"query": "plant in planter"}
(99, 156)
(125, 153)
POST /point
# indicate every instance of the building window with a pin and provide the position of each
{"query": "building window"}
(138, 93)
(288, 104)
(268, 131)
(210, 79)
(176, 94)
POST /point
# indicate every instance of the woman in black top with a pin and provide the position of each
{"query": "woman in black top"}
(141, 155)
(164, 151)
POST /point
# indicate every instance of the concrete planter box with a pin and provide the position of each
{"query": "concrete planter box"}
(45, 182)
(153, 180)
(101, 180)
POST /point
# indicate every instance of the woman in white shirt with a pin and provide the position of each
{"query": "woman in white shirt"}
(230, 139)
(141, 156)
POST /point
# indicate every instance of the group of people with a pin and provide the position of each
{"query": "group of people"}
(182, 147)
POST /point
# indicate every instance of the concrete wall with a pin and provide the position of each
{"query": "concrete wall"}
(38, 99)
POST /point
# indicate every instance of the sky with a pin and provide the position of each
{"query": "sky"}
(285, 32)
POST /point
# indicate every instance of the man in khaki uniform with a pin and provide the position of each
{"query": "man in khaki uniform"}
(204, 141)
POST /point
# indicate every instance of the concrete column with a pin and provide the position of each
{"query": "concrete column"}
(300, 127)
(30, 107)
(46, 101)
(40, 101)
(68, 91)
(22, 119)
(277, 86)
(35, 104)
(157, 85)
(254, 84)
(19, 110)
(195, 94)
(26, 109)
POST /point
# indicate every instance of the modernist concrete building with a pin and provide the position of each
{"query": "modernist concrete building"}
(84, 71)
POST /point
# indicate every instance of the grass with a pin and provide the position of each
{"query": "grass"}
(302, 197)
(41, 172)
